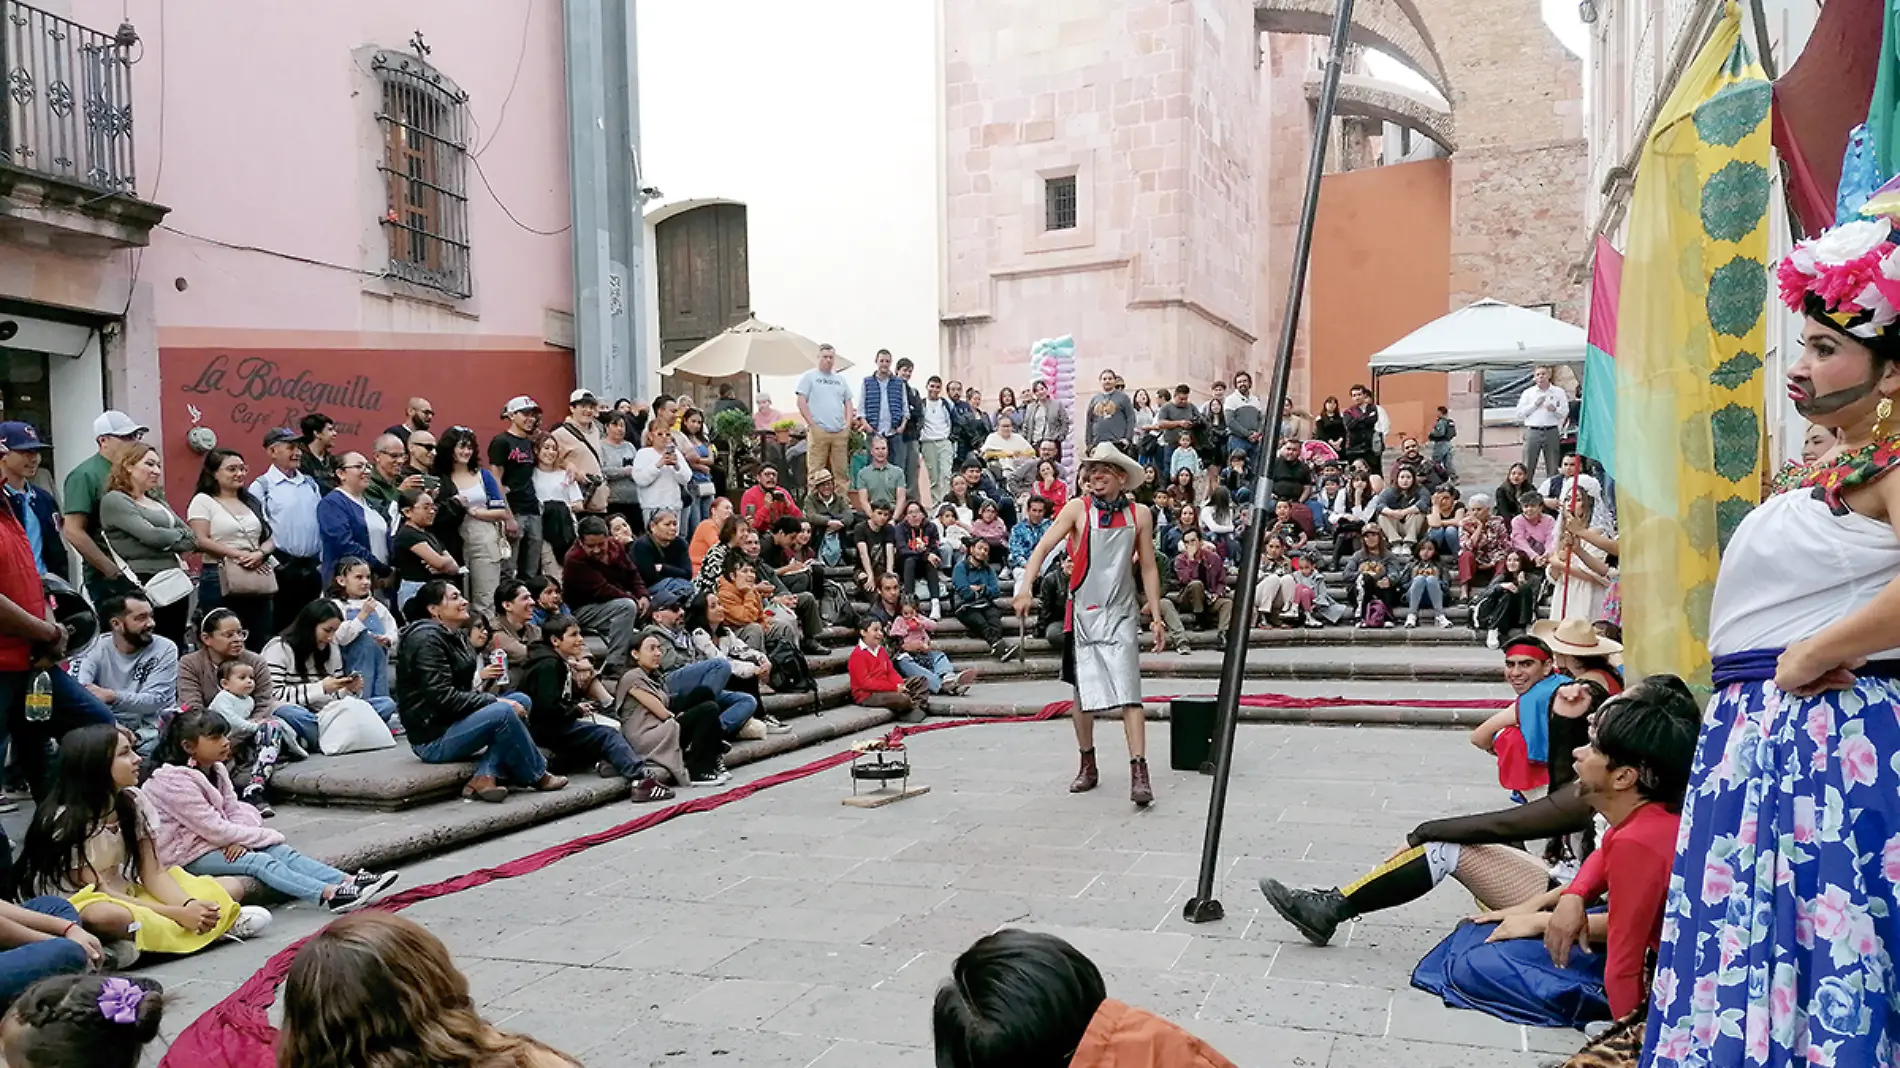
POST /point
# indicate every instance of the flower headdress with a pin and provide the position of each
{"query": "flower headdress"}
(1849, 275)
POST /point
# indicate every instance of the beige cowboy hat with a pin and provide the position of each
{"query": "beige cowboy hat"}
(1574, 637)
(1106, 453)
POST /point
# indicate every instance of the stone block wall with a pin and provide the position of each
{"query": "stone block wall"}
(1149, 104)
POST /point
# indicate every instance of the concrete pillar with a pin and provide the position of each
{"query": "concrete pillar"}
(603, 106)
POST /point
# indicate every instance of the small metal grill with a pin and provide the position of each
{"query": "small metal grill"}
(65, 99)
(424, 119)
(1058, 201)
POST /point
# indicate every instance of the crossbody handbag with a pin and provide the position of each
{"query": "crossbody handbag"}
(236, 580)
(167, 587)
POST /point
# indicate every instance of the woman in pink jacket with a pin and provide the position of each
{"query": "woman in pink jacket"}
(204, 828)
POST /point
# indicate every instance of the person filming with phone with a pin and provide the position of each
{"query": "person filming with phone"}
(307, 663)
(766, 503)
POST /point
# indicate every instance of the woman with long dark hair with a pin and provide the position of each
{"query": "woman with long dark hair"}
(1356, 506)
(417, 550)
(1509, 604)
(235, 540)
(699, 452)
(306, 663)
(1517, 481)
(917, 556)
(1330, 427)
(92, 839)
(474, 501)
(374, 988)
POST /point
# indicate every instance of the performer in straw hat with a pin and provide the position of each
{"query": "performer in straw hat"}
(1582, 653)
(1109, 538)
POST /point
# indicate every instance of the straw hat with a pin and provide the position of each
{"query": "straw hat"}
(1106, 453)
(1574, 637)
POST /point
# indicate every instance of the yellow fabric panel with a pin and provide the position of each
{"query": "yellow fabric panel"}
(1691, 334)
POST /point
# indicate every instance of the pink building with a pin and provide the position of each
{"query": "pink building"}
(228, 215)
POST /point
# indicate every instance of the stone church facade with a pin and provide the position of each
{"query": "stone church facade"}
(1131, 172)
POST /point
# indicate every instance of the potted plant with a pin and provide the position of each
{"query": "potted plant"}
(732, 430)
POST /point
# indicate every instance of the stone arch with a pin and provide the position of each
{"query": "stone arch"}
(1393, 27)
(1365, 97)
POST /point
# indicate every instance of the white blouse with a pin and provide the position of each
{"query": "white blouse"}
(235, 526)
(1793, 568)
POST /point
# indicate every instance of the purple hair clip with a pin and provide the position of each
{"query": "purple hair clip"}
(119, 1000)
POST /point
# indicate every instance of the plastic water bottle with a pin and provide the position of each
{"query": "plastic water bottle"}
(39, 699)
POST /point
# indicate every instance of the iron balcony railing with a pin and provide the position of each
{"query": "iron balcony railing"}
(65, 99)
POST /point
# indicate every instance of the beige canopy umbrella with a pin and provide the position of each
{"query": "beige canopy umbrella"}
(754, 348)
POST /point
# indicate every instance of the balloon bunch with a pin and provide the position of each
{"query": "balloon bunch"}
(1052, 360)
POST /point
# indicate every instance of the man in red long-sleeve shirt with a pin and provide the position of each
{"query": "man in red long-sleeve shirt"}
(605, 590)
(763, 504)
(875, 682)
(1634, 773)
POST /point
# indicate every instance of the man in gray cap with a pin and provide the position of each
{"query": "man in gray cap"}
(290, 498)
(20, 447)
(116, 432)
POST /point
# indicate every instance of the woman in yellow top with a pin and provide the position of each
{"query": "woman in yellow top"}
(92, 840)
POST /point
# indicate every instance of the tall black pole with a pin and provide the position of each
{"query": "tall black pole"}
(1204, 906)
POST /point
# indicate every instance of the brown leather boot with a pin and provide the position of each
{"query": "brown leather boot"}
(1140, 791)
(550, 783)
(1086, 778)
(485, 788)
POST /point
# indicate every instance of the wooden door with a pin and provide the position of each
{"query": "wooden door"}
(704, 288)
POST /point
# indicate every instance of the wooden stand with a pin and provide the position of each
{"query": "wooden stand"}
(887, 765)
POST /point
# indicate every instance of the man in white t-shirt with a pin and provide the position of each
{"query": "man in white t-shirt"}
(934, 437)
(1543, 407)
(1246, 421)
(824, 399)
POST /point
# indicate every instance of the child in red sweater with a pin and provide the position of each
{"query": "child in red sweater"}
(875, 682)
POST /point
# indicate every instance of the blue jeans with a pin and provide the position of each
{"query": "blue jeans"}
(279, 867)
(23, 966)
(931, 666)
(1425, 587)
(304, 722)
(74, 706)
(370, 660)
(583, 743)
(1446, 538)
(1317, 505)
(511, 755)
(734, 708)
(655, 589)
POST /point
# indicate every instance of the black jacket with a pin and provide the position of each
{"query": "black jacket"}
(435, 667)
(550, 686)
(655, 563)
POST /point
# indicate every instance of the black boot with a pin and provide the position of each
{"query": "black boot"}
(1316, 914)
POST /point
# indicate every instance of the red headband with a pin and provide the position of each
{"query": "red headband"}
(1535, 652)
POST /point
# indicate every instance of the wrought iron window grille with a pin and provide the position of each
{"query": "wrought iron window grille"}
(424, 166)
(1058, 203)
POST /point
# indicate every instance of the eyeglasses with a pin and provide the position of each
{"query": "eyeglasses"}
(389, 452)
(353, 467)
(424, 448)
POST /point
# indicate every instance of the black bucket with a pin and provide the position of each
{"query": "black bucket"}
(1191, 734)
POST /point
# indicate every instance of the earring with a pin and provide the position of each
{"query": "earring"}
(1882, 412)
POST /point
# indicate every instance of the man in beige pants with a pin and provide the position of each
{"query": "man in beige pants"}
(824, 399)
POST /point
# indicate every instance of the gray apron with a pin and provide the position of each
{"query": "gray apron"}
(1104, 647)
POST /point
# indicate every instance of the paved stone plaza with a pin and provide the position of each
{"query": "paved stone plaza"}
(790, 930)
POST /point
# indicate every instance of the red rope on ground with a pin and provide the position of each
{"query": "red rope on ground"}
(236, 1032)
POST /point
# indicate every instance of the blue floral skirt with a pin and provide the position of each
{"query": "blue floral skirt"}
(1782, 915)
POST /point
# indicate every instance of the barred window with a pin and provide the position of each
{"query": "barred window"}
(1058, 203)
(424, 118)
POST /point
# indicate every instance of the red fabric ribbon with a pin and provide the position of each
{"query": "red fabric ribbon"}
(236, 1032)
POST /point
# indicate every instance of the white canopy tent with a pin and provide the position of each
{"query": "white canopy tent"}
(1485, 335)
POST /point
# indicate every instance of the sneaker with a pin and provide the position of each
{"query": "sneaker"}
(712, 778)
(396, 729)
(963, 680)
(8, 804)
(375, 884)
(645, 790)
(347, 897)
(251, 920)
(936, 608)
(1411, 620)
(1182, 648)
(1444, 621)
(1490, 639)
(751, 730)
(774, 726)
(119, 956)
